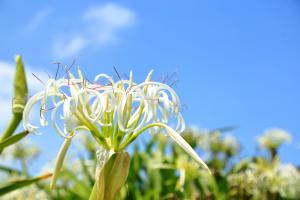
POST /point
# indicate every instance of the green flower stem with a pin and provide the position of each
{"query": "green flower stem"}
(115, 134)
(100, 139)
(135, 135)
(273, 153)
(14, 122)
(136, 122)
(129, 135)
(120, 136)
(140, 115)
(59, 161)
(128, 109)
(111, 121)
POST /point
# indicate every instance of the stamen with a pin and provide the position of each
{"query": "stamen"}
(38, 78)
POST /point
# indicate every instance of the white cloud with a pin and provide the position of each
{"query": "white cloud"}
(102, 27)
(7, 71)
(37, 20)
(106, 21)
(68, 48)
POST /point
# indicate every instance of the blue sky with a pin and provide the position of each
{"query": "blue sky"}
(236, 61)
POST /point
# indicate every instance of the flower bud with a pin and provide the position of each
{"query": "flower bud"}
(20, 87)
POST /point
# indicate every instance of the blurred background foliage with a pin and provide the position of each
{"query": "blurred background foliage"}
(158, 169)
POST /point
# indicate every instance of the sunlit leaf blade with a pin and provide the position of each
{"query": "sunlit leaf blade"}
(15, 185)
(10, 170)
(12, 139)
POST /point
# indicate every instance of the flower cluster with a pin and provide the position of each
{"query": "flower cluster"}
(273, 138)
(114, 112)
(261, 177)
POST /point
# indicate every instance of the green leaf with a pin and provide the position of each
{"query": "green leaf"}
(12, 139)
(15, 185)
(10, 170)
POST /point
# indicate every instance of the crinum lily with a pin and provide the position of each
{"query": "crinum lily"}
(114, 112)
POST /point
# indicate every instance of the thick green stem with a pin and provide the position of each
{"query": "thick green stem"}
(12, 126)
(273, 153)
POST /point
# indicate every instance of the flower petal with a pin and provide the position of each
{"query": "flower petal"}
(185, 146)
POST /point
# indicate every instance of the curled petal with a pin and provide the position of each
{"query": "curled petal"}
(31, 102)
(53, 118)
(105, 76)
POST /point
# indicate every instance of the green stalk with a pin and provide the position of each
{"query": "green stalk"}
(115, 135)
(136, 122)
(59, 161)
(120, 135)
(14, 122)
(135, 135)
(100, 139)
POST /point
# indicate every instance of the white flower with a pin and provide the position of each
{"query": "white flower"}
(262, 177)
(273, 138)
(115, 112)
(289, 181)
